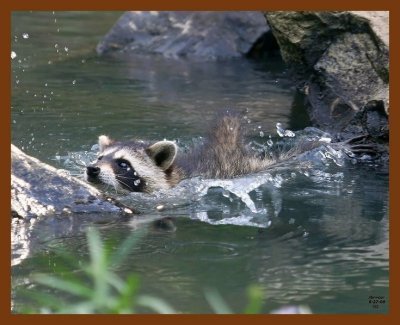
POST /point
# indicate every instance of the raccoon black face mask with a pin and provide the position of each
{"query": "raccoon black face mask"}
(134, 166)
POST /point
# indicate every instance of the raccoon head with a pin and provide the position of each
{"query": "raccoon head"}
(133, 166)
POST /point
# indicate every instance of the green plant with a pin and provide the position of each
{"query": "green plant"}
(219, 306)
(102, 290)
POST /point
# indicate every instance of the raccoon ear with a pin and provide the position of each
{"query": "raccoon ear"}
(163, 153)
(104, 142)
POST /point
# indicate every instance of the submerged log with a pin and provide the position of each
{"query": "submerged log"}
(38, 189)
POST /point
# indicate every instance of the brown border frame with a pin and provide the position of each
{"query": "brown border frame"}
(5, 20)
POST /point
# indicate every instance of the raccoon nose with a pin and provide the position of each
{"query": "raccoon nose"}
(92, 171)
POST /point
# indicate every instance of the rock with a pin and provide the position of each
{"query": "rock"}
(201, 34)
(38, 189)
(341, 62)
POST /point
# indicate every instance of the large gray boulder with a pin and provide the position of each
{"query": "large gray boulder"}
(198, 34)
(38, 189)
(341, 62)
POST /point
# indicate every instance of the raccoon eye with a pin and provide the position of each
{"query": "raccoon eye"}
(99, 157)
(123, 164)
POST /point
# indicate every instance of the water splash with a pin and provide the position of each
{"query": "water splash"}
(284, 133)
(251, 200)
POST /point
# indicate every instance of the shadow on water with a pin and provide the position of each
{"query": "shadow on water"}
(314, 232)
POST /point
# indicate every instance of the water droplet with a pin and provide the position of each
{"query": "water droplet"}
(25, 35)
(261, 134)
(13, 55)
(56, 45)
(282, 132)
(73, 82)
(325, 139)
(137, 182)
(279, 129)
(289, 133)
(65, 49)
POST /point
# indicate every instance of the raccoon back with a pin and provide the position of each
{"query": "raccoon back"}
(223, 154)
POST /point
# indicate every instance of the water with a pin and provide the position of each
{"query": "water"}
(313, 231)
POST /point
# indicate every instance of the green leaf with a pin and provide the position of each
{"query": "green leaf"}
(255, 296)
(97, 253)
(98, 266)
(126, 300)
(216, 302)
(85, 307)
(42, 298)
(156, 304)
(116, 282)
(126, 247)
(71, 287)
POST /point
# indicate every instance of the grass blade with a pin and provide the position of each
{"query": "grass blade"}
(126, 247)
(156, 304)
(216, 302)
(71, 287)
(255, 296)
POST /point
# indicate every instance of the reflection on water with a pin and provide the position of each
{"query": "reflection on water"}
(312, 232)
(62, 103)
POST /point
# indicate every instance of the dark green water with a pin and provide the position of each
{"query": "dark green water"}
(326, 244)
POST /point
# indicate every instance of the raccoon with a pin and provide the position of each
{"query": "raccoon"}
(135, 166)
(143, 167)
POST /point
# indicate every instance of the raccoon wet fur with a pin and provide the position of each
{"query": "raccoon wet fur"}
(143, 167)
